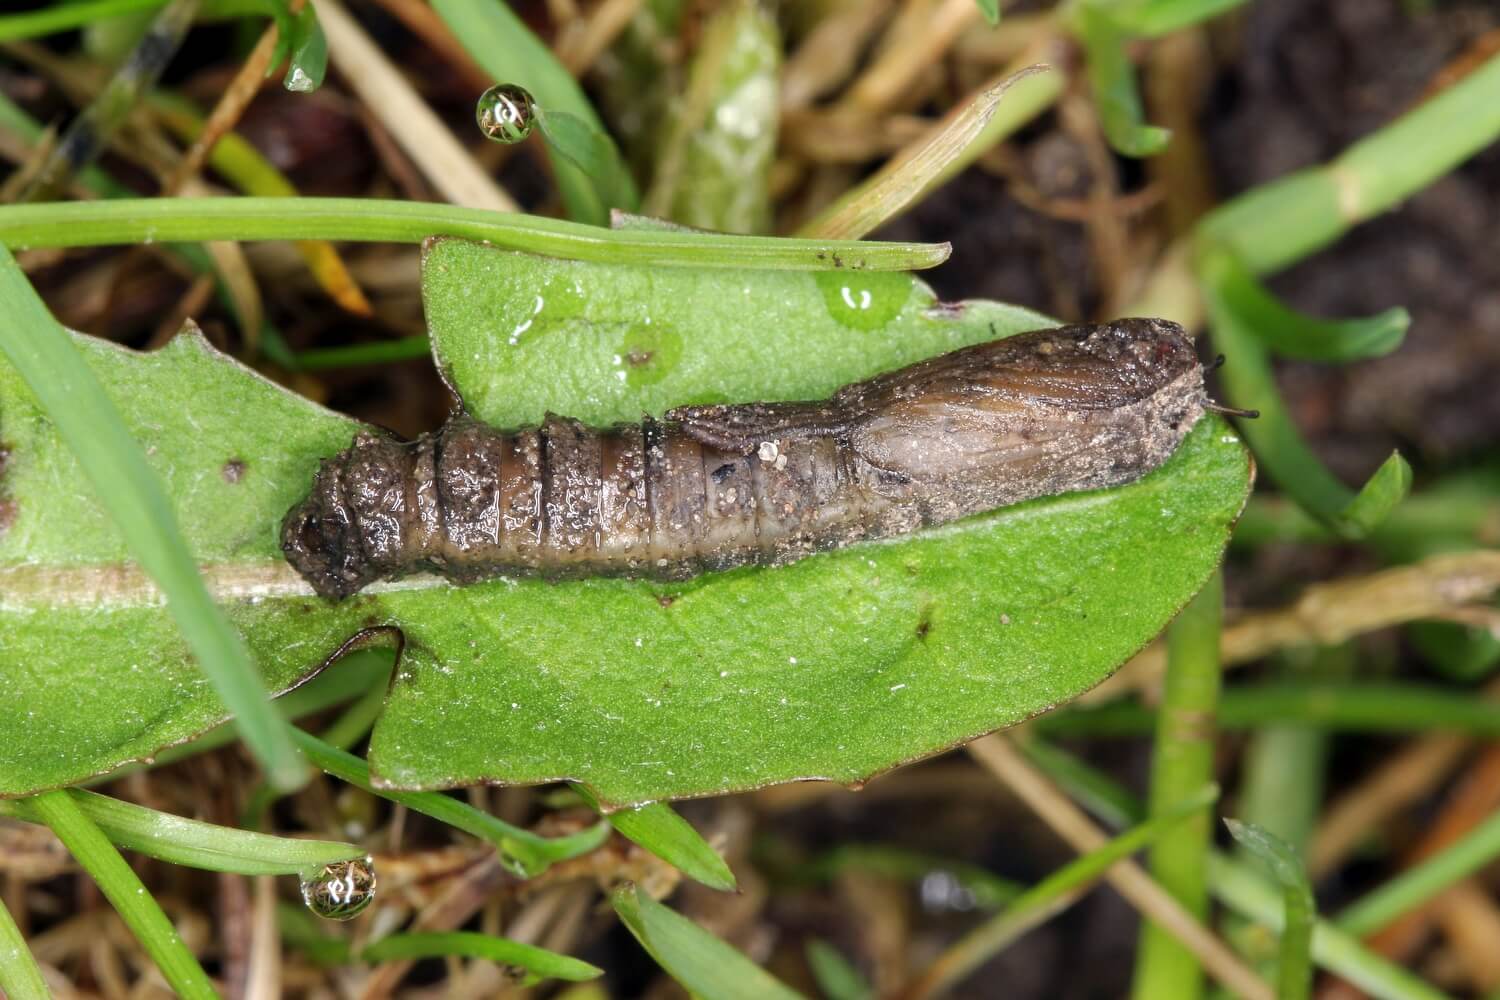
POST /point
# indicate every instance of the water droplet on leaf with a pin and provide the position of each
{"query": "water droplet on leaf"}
(505, 113)
(863, 300)
(342, 890)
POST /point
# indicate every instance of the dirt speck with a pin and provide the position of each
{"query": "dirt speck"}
(638, 358)
(233, 470)
(666, 600)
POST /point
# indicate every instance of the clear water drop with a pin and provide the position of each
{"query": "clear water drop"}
(505, 113)
(342, 890)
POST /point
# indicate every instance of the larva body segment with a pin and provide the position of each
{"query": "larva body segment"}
(709, 488)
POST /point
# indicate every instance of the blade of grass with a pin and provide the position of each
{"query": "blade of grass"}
(378, 353)
(374, 220)
(1382, 707)
(123, 888)
(1112, 79)
(659, 829)
(527, 853)
(45, 356)
(1104, 799)
(1182, 760)
(539, 962)
(1294, 971)
(1290, 334)
(836, 977)
(189, 842)
(20, 976)
(506, 48)
(1420, 883)
(701, 962)
(1154, 18)
(1051, 894)
(909, 177)
(1278, 445)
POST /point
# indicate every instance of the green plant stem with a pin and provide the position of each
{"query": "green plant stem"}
(1182, 763)
(1372, 707)
(20, 976)
(1050, 895)
(1277, 224)
(528, 853)
(1420, 883)
(115, 464)
(136, 906)
(182, 841)
(381, 352)
(146, 220)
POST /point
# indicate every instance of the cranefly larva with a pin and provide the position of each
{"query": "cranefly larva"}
(712, 487)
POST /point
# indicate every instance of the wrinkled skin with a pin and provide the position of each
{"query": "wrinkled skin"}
(712, 487)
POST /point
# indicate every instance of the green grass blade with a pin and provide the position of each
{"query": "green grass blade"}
(1290, 334)
(704, 965)
(1278, 445)
(527, 853)
(378, 353)
(137, 907)
(991, 10)
(1112, 79)
(20, 976)
(1294, 972)
(659, 829)
(182, 841)
(1154, 18)
(1182, 760)
(539, 962)
(1420, 883)
(116, 466)
(145, 220)
(508, 51)
(836, 976)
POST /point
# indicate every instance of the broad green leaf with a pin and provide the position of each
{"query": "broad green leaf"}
(1294, 972)
(706, 966)
(714, 167)
(93, 670)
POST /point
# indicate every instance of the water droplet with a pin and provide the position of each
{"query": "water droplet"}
(342, 890)
(863, 300)
(505, 113)
(648, 353)
(299, 81)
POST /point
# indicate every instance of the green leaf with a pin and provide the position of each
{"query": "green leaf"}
(719, 140)
(306, 48)
(1113, 81)
(703, 964)
(72, 403)
(659, 829)
(1249, 383)
(501, 43)
(1290, 334)
(991, 10)
(1294, 974)
(189, 842)
(837, 977)
(539, 962)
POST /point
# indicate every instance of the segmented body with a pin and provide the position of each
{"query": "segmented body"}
(760, 483)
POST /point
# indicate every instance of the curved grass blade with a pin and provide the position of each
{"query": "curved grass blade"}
(1113, 81)
(659, 829)
(114, 463)
(1291, 334)
(189, 842)
(20, 976)
(300, 43)
(837, 977)
(527, 854)
(506, 48)
(701, 962)
(1294, 971)
(1278, 445)
(588, 149)
(137, 907)
(539, 963)
(140, 220)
